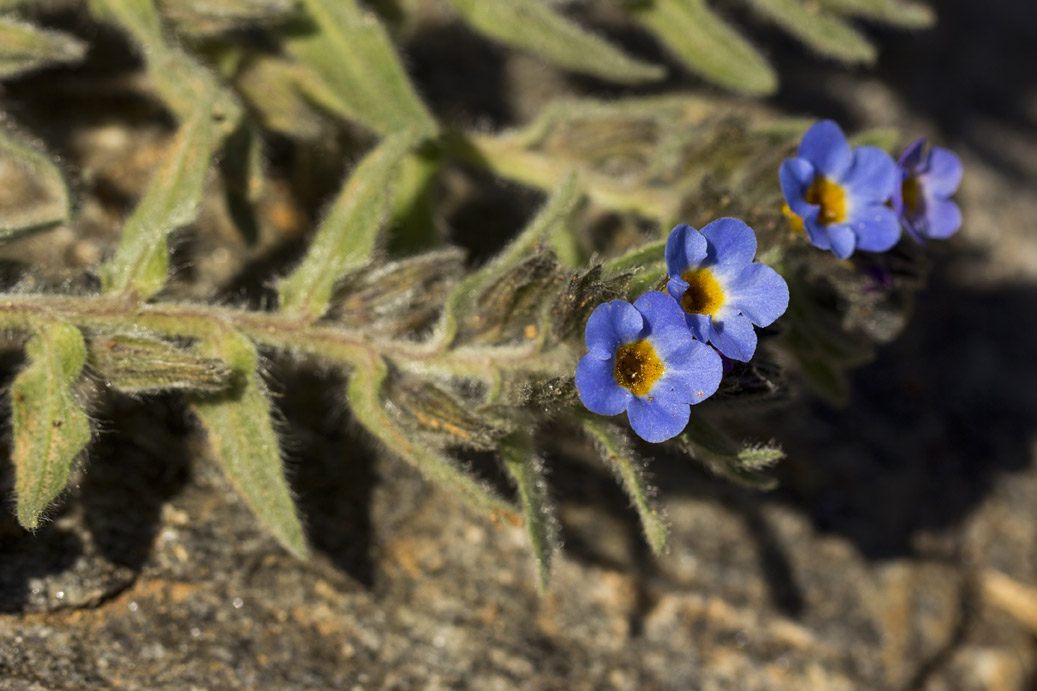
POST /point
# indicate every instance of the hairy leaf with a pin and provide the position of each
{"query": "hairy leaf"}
(171, 201)
(534, 26)
(707, 45)
(346, 238)
(271, 86)
(33, 194)
(243, 441)
(24, 47)
(616, 453)
(355, 71)
(704, 442)
(206, 17)
(527, 472)
(183, 83)
(49, 425)
(907, 14)
(823, 32)
(365, 399)
(429, 408)
(140, 363)
(551, 217)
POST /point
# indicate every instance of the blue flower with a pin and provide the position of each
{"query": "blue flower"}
(841, 193)
(922, 198)
(719, 287)
(644, 360)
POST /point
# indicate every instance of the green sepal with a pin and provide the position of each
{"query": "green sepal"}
(432, 410)
(707, 45)
(35, 185)
(347, 236)
(533, 26)
(552, 216)
(614, 448)
(49, 426)
(172, 200)
(141, 363)
(364, 394)
(722, 455)
(24, 47)
(354, 70)
(241, 435)
(823, 32)
(527, 472)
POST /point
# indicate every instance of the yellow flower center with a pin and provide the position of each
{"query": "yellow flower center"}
(912, 194)
(704, 295)
(830, 197)
(795, 222)
(637, 367)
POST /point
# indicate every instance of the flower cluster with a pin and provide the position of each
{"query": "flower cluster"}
(849, 199)
(650, 358)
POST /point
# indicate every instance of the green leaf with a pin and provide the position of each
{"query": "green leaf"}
(141, 363)
(898, 12)
(365, 399)
(615, 450)
(171, 201)
(551, 218)
(50, 427)
(346, 238)
(33, 194)
(208, 17)
(24, 47)
(527, 472)
(826, 34)
(243, 441)
(272, 88)
(355, 71)
(183, 83)
(723, 456)
(534, 26)
(647, 255)
(707, 45)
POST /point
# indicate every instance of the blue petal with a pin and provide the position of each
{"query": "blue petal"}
(873, 175)
(698, 325)
(676, 287)
(817, 233)
(876, 226)
(732, 243)
(660, 311)
(760, 293)
(796, 176)
(694, 372)
(826, 147)
(944, 218)
(944, 174)
(660, 416)
(596, 384)
(685, 248)
(733, 335)
(842, 239)
(610, 325)
(911, 159)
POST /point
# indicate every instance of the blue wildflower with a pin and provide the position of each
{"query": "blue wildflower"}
(841, 193)
(644, 360)
(922, 198)
(722, 291)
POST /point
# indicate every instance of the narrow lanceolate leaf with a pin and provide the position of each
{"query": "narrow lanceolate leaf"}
(50, 427)
(171, 201)
(616, 452)
(33, 194)
(528, 474)
(825, 33)
(534, 26)
(906, 14)
(554, 214)
(723, 456)
(355, 70)
(207, 17)
(346, 238)
(24, 47)
(243, 441)
(365, 400)
(707, 45)
(183, 83)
